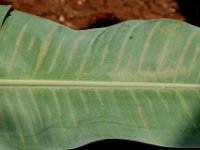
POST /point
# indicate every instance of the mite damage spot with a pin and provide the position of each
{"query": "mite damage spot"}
(131, 37)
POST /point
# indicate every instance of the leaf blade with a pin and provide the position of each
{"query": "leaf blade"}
(98, 79)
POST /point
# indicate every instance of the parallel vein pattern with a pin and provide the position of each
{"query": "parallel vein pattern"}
(61, 88)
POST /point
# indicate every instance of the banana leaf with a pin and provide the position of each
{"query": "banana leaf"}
(62, 88)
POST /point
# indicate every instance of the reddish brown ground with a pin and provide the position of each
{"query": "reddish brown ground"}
(82, 14)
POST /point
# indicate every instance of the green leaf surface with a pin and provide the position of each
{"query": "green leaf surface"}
(61, 88)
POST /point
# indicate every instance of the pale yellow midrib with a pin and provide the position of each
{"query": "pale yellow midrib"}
(95, 84)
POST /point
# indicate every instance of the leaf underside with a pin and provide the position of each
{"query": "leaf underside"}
(61, 88)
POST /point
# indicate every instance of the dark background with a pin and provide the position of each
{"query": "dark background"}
(124, 145)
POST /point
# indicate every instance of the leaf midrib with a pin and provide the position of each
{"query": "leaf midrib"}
(95, 84)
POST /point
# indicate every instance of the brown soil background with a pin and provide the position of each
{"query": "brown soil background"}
(84, 14)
